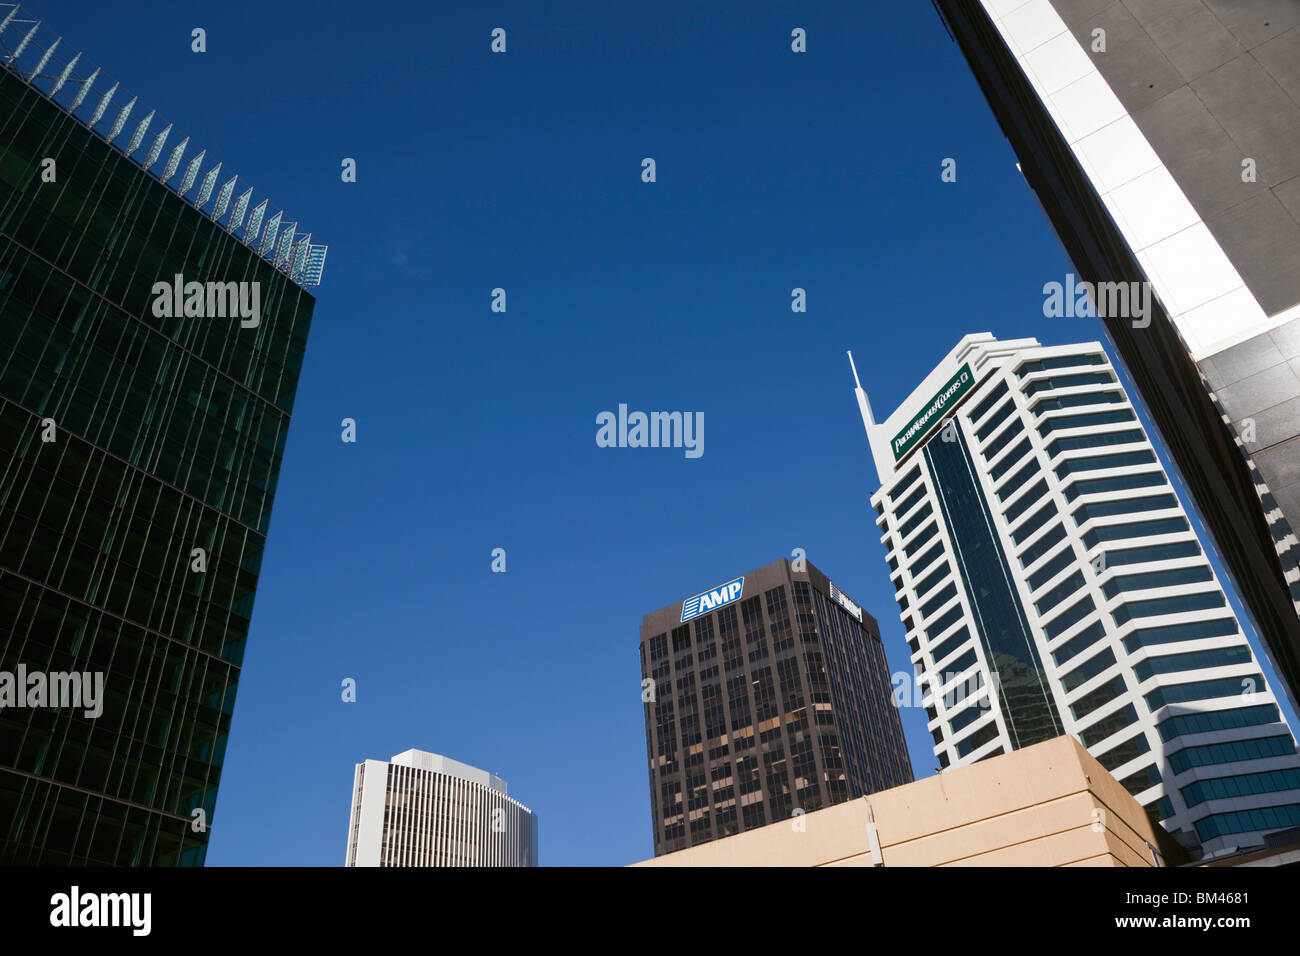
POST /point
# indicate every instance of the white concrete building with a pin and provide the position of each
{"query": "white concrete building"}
(1039, 551)
(423, 809)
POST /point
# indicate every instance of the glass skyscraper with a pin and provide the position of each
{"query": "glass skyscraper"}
(139, 450)
(764, 698)
(1049, 582)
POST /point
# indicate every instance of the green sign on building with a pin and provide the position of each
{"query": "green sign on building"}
(957, 386)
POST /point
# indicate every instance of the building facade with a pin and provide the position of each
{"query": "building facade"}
(1163, 142)
(765, 697)
(140, 446)
(1049, 582)
(423, 809)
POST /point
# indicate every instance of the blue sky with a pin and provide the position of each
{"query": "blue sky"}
(476, 429)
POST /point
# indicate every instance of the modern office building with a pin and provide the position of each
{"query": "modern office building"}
(1162, 139)
(1051, 804)
(1049, 582)
(765, 697)
(423, 809)
(141, 435)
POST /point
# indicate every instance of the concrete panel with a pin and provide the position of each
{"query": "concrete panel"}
(1263, 242)
(1196, 150)
(1253, 22)
(1280, 466)
(1245, 359)
(1048, 850)
(1259, 391)
(1281, 58)
(1211, 373)
(1262, 120)
(1189, 35)
(1288, 499)
(1287, 339)
(1078, 14)
(1288, 194)
(1132, 64)
(1277, 424)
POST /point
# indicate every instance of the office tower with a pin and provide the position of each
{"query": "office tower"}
(140, 443)
(1163, 142)
(1049, 582)
(423, 809)
(765, 697)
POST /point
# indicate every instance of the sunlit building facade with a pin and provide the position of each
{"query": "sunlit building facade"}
(765, 698)
(1050, 583)
(424, 809)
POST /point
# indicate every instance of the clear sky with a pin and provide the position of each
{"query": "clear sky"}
(476, 430)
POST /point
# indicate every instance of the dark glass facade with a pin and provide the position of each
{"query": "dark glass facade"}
(777, 702)
(1000, 622)
(167, 437)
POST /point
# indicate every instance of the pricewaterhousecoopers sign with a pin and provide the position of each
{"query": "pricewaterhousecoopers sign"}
(957, 386)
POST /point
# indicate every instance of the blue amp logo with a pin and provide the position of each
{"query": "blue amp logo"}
(709, 600)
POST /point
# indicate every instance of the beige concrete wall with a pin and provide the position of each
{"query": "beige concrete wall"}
(1051, 804)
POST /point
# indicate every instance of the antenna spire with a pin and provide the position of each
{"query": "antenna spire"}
(868, 421)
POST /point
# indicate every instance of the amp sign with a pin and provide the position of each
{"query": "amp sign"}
(710, 600)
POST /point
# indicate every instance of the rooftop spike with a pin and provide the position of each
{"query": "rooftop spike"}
(63, 77)
(103, 105)
(45, 59)
(121, 120)
(868, 420)
(85, 88)
(26, 40)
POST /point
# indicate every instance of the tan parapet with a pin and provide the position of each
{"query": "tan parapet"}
(1051, 804)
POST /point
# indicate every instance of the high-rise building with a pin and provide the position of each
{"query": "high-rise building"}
(150, 346)
(1049, 582)
(1162, 139)
(423, 809)
(764, 697)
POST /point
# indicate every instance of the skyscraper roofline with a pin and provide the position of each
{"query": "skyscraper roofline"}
(29, 52)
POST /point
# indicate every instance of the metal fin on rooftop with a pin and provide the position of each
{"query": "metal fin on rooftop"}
(223, 197)
(156, 149)
(255, 222)
(174, 161)
(138, 136)
(103, 105)
(63, 77)
(121, 120)
(268, 237)
(298, 260)
(311, 275)
(85, 88)
(205, 188)
(26, 40)
(285, 246)
(241, 207)
(38, 59)
(191, 173)
(40, 66)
